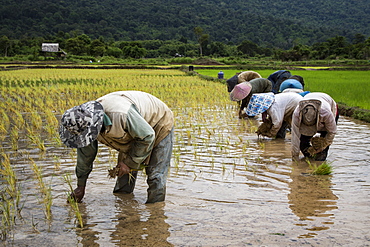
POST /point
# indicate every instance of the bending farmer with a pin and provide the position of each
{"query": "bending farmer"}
(244, 91)
(315, 113)
(138, 125)
(276, 110)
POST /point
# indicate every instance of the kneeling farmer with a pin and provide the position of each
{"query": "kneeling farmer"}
(138, 125)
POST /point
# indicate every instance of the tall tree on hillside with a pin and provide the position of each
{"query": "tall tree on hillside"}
(201, 38)
(248, 48)
(359, 38)
(78, 45)
(4, 45)
(97, 48)
(337, 45)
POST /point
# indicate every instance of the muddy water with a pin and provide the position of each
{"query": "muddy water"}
(225, 188)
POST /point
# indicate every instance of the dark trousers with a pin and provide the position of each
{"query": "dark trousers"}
(156, 172)
(282, 131)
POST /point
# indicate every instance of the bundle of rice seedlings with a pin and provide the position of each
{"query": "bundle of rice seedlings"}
(324, 169)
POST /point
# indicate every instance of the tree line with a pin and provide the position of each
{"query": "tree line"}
(267, 23)
(76, 44)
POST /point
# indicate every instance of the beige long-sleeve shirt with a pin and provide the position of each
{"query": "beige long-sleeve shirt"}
(139, 122)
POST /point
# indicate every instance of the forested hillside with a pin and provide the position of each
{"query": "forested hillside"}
(270, 23)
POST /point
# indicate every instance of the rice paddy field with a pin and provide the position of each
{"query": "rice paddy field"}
(226, 187)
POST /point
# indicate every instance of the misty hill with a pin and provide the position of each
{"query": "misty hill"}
(278, 23)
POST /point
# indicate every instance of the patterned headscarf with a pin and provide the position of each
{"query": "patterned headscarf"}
(259, 103)
(81, 124)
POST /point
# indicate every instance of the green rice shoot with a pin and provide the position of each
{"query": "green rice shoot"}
(323, 169)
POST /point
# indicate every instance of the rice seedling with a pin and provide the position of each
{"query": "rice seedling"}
(35, 138)
(56, 162)
(261, 144)
(45, 191)
(10, 197)
(36, 120)
(18, 119)
(5, 123)
(7, 216)
(34, 225)
(72, 201)
(195, 176)
(14, 136)
(325, 168)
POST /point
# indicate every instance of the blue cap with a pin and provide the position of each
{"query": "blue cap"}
(290, 83)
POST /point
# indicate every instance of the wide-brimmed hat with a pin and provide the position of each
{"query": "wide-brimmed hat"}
(259, 103)
(81, 124)
(240, 91)
(309, 116)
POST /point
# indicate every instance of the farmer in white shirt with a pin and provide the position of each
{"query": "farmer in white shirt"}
(275, 109)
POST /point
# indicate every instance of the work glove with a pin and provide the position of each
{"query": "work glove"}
(312, 151)
(319, 144)
(265, 128)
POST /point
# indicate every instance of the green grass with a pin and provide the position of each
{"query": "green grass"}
(348, 87)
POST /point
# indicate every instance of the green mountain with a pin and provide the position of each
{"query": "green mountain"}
(277, 23)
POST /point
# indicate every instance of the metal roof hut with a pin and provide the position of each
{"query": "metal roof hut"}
(52, 49)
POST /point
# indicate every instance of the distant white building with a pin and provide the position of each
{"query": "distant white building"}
(53, 47)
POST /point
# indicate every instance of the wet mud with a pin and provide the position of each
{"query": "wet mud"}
(226, 187)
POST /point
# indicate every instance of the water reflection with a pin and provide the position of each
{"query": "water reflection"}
(139, 224)
(88, 236)
(311, 198)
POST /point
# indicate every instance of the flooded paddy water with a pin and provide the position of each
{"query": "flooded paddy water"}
(225, 188)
